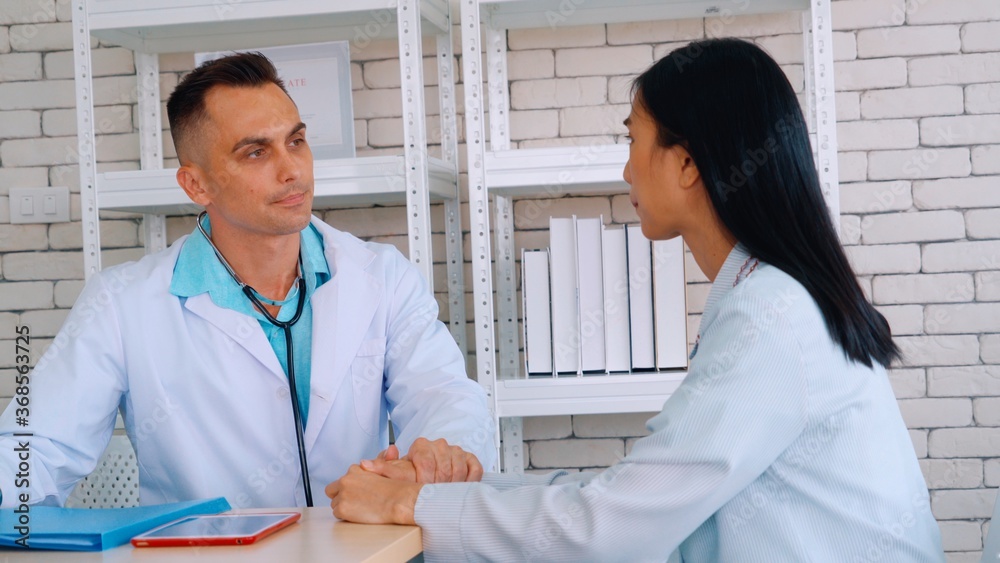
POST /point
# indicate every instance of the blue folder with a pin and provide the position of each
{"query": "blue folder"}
(95, 529)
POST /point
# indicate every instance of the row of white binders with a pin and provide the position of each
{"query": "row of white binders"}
(603, 299)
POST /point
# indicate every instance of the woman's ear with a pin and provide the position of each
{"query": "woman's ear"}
(688, 174)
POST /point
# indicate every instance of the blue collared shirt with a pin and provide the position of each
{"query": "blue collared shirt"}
(198, 270)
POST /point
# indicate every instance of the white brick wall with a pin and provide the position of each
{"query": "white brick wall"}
(936, 413)
(877, 135)
(858, 14)
(20, 124)
(559, 93)
(983, 223)
(912, 102)
(908, 383)
(955, 69)
(890, 228)
(982, 98)
(908, 41)
(924, 288)
(919, 163)
(603, 61)
(962, 256)
(870, 74)
(918, 100)
(945, 11)
(986, 160)
(957, 193)
(981, 36)
(971, 381)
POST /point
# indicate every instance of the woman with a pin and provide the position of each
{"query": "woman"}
(784, 442)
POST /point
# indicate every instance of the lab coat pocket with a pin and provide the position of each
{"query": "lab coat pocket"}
(367, 374)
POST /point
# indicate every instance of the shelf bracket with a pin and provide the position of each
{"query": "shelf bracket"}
(496, 61)
(506, 280)
(411, 69)
(479, 205)
(147, 68)
(513, 445)
(822, 109)
(85, 139)
(453, 205)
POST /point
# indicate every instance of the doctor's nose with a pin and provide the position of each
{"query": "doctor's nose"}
(290, 167)
(627, 172)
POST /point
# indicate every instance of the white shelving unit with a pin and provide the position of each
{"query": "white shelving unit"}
(151, 27)
(503, 173)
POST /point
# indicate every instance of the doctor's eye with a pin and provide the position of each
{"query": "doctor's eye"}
(628, 139)
(256, 154)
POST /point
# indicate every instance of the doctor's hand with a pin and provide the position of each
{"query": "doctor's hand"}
(368, 498)
(427, 462)
(439, 462)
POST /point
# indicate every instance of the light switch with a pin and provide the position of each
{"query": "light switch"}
(39, 205)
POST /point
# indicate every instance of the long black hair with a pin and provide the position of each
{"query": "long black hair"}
(732, 108)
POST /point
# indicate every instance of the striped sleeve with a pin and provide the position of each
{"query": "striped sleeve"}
(743, 403)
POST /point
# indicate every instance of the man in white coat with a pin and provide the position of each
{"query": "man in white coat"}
(215, 349)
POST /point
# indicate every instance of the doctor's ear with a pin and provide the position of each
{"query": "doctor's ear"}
(191, 178)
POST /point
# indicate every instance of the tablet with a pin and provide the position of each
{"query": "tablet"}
(216, 529)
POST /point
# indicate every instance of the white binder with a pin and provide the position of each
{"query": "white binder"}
(590, 284)
(565, 318)
(640, 283)
(537, 312)
(616, 300)
(669, 304)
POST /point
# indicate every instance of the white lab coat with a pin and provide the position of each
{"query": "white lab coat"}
(205, 401)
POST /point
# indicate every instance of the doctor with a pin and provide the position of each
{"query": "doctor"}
(262, 335)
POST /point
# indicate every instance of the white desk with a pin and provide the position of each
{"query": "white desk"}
(318, 536)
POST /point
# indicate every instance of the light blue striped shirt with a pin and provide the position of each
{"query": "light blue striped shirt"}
(774, 448)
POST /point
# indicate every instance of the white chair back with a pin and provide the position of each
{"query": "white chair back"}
(115, 481)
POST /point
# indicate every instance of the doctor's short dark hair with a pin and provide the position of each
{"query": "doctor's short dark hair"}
(730, 106)
(186, 106)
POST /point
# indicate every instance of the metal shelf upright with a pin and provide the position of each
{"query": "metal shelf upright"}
(152, 27)
(503, 173)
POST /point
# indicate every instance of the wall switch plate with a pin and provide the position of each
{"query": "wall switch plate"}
(39, 205)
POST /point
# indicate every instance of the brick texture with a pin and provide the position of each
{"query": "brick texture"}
(918, 105)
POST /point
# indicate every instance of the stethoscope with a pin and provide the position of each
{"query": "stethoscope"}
(286, 327)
